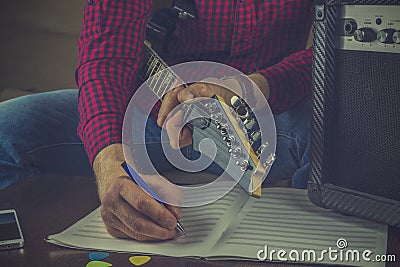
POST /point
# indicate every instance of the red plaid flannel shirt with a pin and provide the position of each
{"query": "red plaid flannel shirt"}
(253, 36)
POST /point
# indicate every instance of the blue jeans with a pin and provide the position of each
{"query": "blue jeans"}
(38, 135)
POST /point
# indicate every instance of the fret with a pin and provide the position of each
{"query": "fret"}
(151, 67)
(154, 80)
(147, 60)
(156, 77)
(167, 83)
(159, 77)
(153, 71)
(157, 85)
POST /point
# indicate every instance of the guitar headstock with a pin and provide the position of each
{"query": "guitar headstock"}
(238, 139)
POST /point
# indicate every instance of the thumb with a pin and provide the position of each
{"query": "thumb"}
(185, 95)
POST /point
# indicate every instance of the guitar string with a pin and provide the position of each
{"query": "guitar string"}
(165, 69)
(158, 66)
(160, 71)
(151, 63)
(155, 57)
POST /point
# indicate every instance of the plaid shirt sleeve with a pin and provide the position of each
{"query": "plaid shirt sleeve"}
(110, 43)
(289, 80)
(252, 36)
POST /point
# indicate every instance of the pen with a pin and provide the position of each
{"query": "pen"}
(139, 181)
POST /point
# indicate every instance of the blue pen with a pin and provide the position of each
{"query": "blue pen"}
(139, 181)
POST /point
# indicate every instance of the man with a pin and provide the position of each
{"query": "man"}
(264, 39)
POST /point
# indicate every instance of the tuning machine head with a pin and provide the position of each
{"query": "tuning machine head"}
(222, 126)
(236, 152)
(212, 107)
(240, 107)
(244, 164)
(236, 102)
(249, 123)
(262, 148)
(230, 141)
(230, 138)
(217, 117)
(255, 136)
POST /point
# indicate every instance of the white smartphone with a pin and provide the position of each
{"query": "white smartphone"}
(10, 231)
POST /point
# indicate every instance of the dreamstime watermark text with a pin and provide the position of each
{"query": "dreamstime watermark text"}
(340, 253)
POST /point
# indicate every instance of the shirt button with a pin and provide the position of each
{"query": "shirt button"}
(242, 1)
(90, 2)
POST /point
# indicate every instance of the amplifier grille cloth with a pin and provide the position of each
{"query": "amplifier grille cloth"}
(363, 130)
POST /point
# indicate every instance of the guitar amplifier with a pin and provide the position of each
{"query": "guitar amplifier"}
(355, 139)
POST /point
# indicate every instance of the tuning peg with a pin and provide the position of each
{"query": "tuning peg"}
(243, 164)
(228, 141)
(230, 138)
(255, 136)
(212, 107)
(224, 131)
(243, 112)
(236, 152)
(217, 117)
(262, 148)
(249, 123)
(221, 126)
(240, 107)
(236, 102)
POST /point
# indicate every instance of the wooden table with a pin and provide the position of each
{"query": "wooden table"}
(49, 204)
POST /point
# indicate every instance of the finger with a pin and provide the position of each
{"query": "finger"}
(111, 222)
(175, 210)
(116, 233)
(210, 87)
(178, 135)
(185, 137)
(170, 101)
(170, 193)
(119, 230)
(139, 226)
(118, 214)
(196, 90)
(145, 204)
(185, 95)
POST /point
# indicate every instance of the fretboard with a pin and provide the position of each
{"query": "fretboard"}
(157, 74)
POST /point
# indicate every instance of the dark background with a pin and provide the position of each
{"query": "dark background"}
(39, 44)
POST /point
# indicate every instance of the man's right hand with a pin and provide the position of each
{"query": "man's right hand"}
(128, 211)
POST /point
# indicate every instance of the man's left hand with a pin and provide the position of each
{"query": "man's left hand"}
(180, 94)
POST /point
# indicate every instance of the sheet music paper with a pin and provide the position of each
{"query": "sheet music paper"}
(238, 226)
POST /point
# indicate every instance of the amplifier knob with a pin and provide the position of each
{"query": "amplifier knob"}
(396, 37)
(385, 36)
(364, 35)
